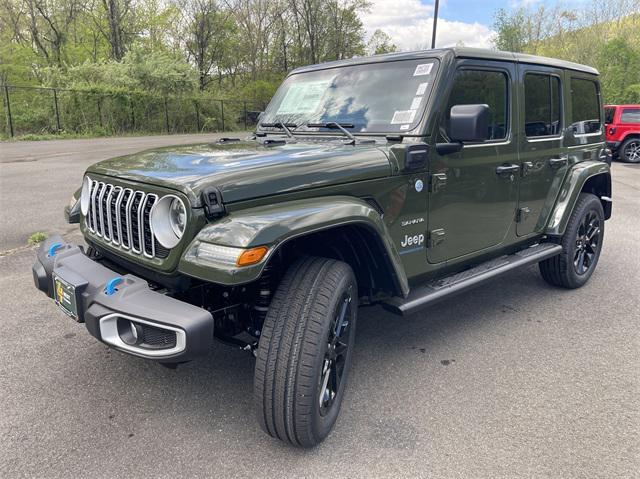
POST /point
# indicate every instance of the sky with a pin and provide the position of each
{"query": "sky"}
(409, 22)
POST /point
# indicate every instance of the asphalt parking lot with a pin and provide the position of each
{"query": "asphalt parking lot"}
(516, 379)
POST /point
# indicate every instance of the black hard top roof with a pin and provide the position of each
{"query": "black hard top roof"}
(458, 52)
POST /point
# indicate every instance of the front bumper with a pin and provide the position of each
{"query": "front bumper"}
(126, 314)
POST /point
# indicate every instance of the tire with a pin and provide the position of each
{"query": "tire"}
(630, 150)
(295, 359)
(581, 246)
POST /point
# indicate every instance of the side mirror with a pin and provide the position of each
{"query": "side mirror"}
(469, 123)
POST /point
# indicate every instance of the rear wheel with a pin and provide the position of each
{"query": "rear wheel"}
(581, 245)
(630, 150)
(305, 351)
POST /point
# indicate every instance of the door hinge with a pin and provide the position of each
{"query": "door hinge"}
(437, 182)
(435, 237)
(522, 214)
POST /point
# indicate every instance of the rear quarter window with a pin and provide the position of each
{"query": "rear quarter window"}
(585, 102)
(609, 113)
(630, 115)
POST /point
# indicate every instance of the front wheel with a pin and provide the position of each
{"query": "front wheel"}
(581, 245)
(305, 351)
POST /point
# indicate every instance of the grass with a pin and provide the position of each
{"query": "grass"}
(36, 238)
(70, 136)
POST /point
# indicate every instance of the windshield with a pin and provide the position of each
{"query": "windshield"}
(370, 98)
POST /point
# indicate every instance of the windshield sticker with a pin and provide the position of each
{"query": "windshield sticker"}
(304, 97)
(423, 69)
(422, 88)
(415, 104)
(403, 116)
(404, 127)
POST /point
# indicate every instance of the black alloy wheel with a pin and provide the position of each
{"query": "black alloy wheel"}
(305, 351)
(581, 245)
(587, 242)
(335, 356)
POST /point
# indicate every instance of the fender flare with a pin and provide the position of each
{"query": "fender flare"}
(274, 225)
(573, 185)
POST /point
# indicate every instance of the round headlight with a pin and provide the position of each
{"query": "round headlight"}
(177, 217)
(168, 220)
(85, 196)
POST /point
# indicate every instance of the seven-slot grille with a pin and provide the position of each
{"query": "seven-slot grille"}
(122, 217)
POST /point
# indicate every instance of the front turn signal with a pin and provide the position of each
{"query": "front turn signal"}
(252, 256)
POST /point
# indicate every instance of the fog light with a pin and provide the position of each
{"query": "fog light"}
(129, 331)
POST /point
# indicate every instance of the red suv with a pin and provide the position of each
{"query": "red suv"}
(622, 123)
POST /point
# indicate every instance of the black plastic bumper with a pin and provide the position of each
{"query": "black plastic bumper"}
(121, 310)
(613, 145)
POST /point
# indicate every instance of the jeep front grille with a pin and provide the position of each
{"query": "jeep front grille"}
(122, 217)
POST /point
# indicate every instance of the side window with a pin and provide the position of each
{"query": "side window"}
(585, 101)
(630, 115)
(542, 105)
(609, 113)
(472, 87)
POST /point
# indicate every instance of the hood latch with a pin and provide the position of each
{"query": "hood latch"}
(213, 205)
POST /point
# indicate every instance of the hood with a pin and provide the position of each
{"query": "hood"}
(247, 169)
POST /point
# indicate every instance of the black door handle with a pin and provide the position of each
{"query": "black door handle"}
(558, 162)
(507, 169)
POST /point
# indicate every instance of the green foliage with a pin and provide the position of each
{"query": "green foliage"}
(510, 28)
(380, 43)
(631, 94)
(173, 46)
(37, 237)
(604, 36)
(619, 65)
(158, 72)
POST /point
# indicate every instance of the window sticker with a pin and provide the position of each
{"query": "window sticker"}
(403, 116)
(404, 127)
(422, 88)
(415, 104)
(423, 69)
(303, 97)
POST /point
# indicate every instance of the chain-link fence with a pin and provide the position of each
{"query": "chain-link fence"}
(39, 110)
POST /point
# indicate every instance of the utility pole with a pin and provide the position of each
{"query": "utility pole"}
(435, 24)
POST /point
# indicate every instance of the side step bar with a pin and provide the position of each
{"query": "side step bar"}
(445, 287)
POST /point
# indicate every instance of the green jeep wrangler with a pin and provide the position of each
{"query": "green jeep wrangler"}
(397, 180)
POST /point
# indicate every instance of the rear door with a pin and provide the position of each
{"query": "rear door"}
(543, 156)
(472, 197)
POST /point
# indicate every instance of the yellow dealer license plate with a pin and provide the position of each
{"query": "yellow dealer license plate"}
(65, 296)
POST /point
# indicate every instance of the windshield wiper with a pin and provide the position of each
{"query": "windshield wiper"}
(334, 125)
(282, 126)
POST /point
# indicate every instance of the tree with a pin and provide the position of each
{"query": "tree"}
(115, 13)
(604, 35)
(380, 43)
(208, 32)
(345, 32)
(619, 65)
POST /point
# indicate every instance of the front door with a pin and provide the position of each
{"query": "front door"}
(543, 157)
(473, 193)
